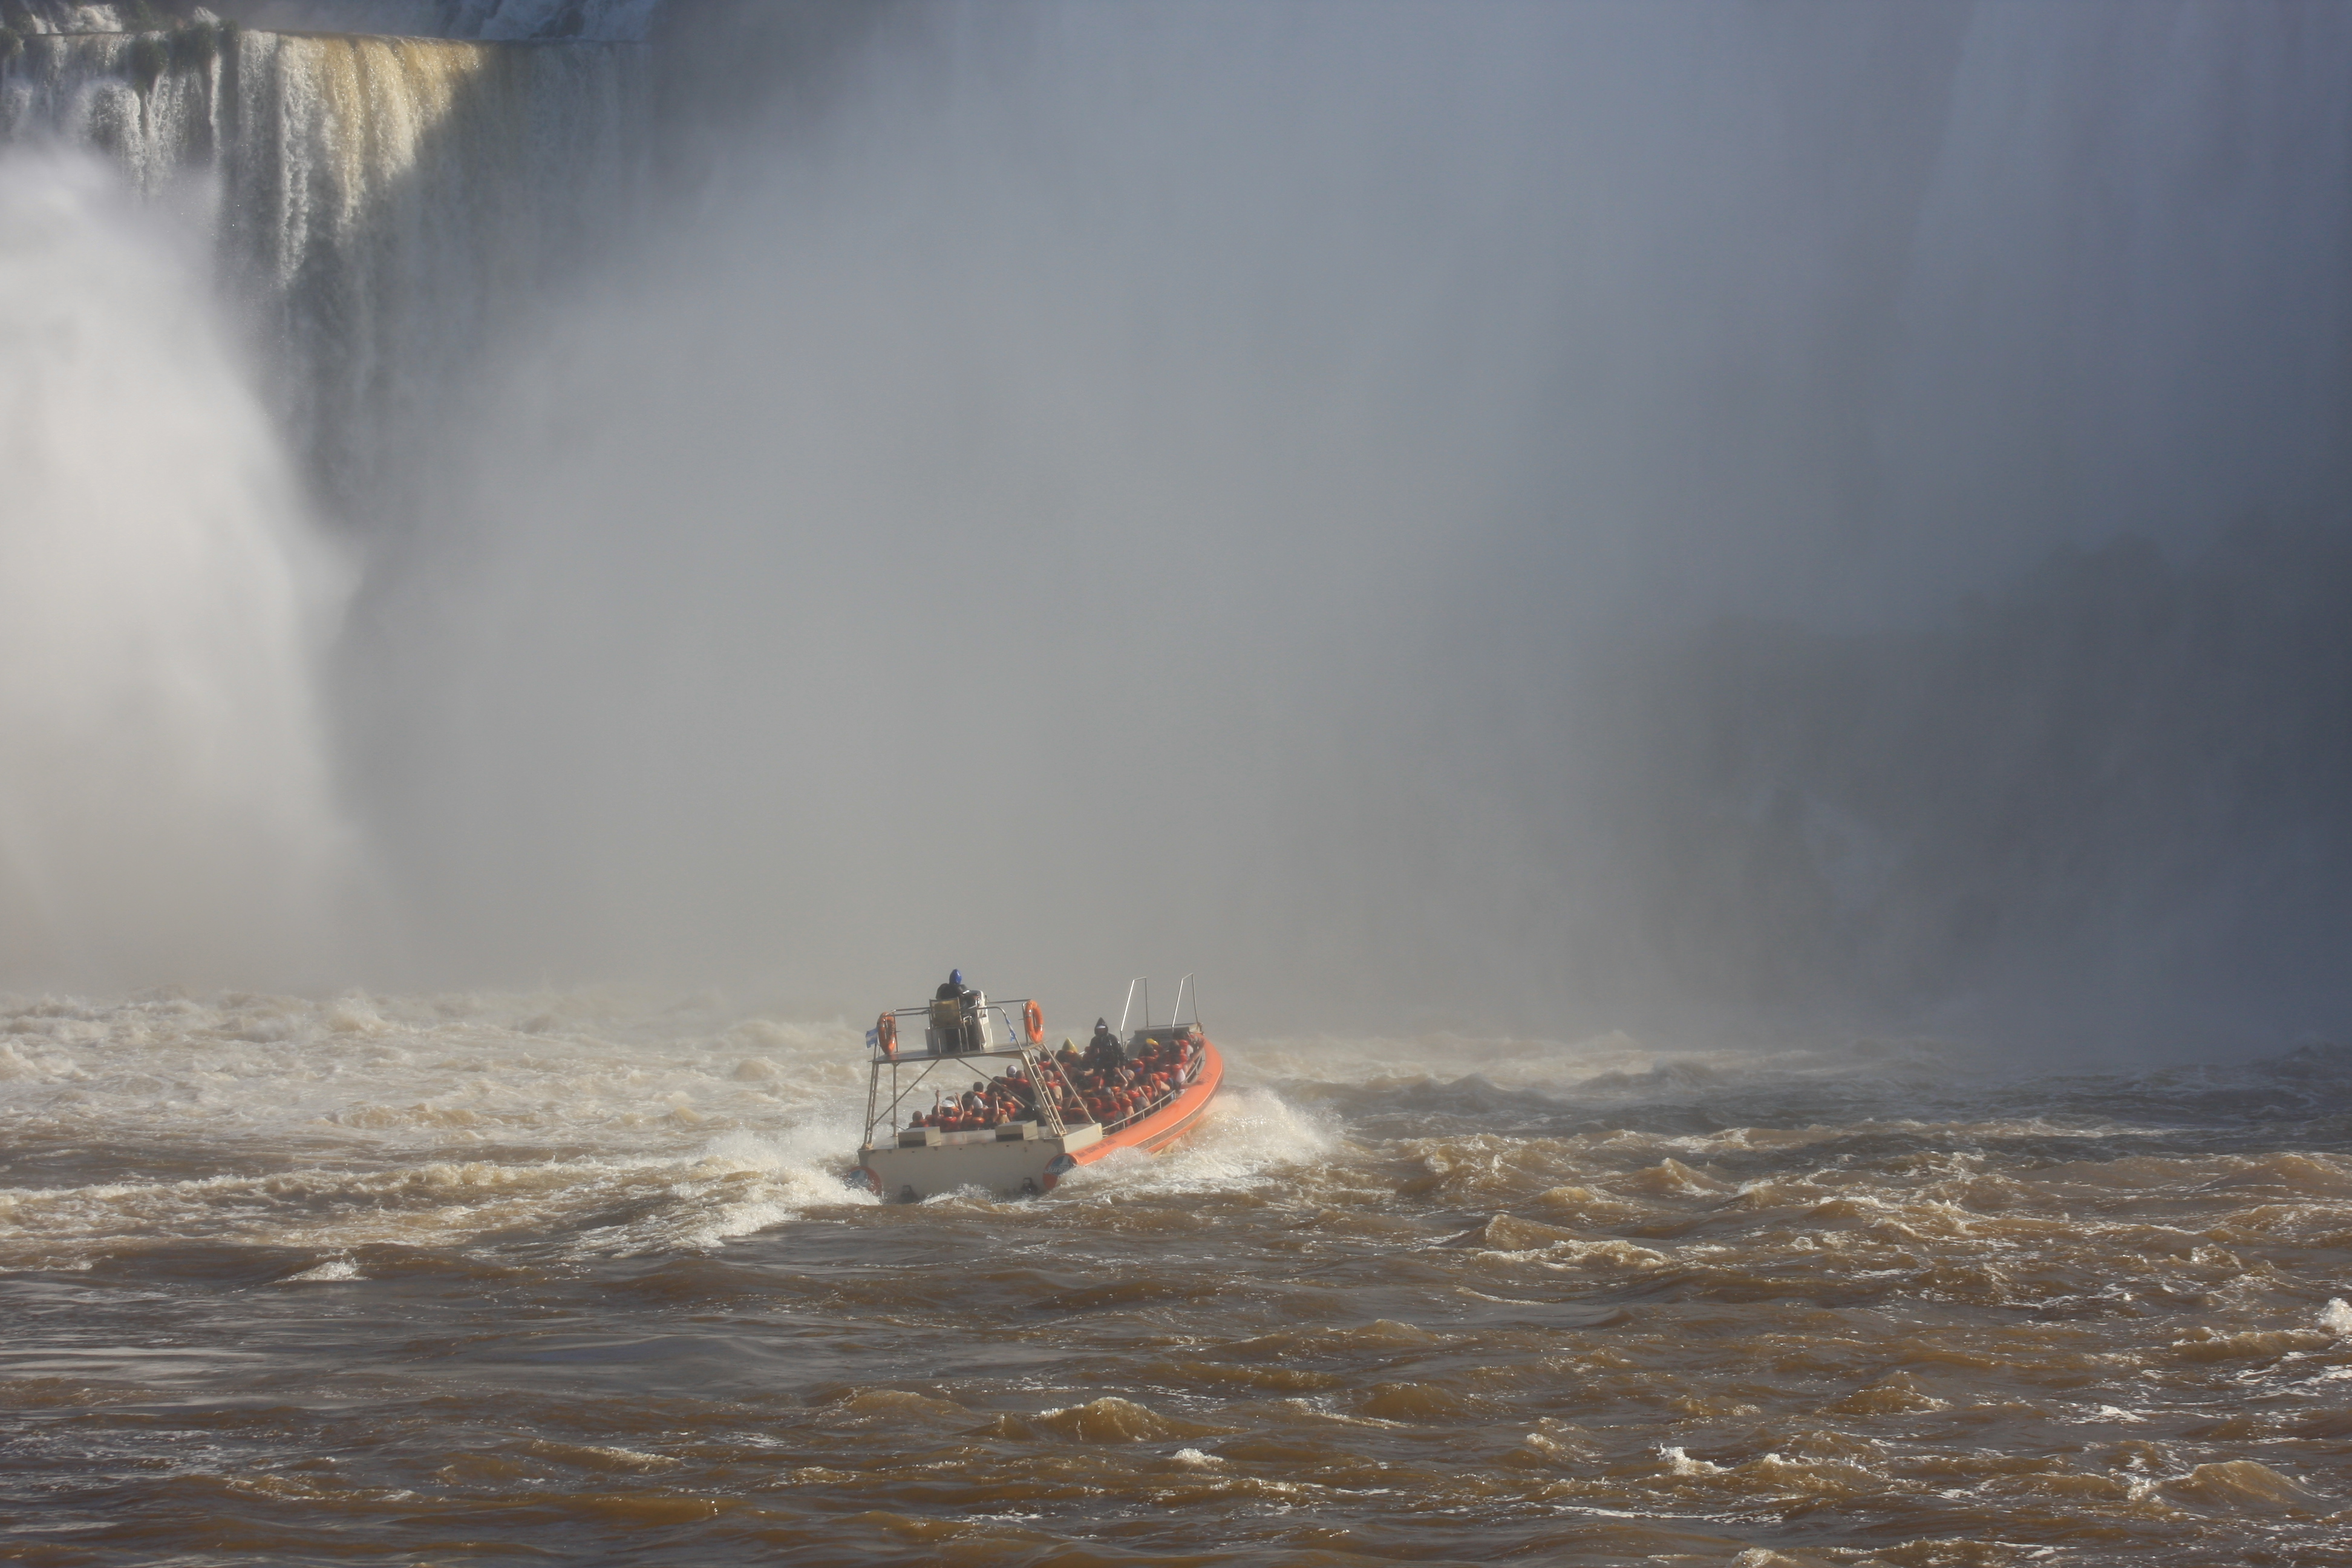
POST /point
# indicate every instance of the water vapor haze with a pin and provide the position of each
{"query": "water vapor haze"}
(164, 605)
(1430, 516)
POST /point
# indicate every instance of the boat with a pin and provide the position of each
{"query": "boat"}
(1037, 1119)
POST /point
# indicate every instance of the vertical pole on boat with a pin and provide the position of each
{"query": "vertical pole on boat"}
(872, 1089)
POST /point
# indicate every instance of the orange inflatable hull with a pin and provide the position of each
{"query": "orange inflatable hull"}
(1167, 1126)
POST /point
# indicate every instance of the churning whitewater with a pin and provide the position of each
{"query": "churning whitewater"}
(1716, 629)
(384, 1278)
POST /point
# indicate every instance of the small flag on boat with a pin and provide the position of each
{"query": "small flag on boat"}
(873, 1039)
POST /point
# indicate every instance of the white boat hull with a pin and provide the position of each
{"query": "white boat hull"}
(1020, 1166)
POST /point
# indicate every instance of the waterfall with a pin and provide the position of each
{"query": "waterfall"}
(378, 206)
(242, 276)
(165, 810)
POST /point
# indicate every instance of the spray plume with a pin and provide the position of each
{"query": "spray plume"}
(1391, 509)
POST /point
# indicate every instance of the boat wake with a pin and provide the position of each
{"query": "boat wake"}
(1244, 1142)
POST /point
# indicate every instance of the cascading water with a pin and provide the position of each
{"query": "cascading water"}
(1436, 514)
(164, 605)
(381, 207)
(372, 211)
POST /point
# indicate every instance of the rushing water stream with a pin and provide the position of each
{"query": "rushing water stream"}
(1448, 515)
(472, 1278)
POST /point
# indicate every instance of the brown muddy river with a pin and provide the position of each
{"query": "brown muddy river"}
(490, 1280)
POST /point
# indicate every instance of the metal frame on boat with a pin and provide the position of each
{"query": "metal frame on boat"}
(1026, 1156)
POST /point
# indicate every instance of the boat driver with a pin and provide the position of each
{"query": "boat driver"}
(952, 1013)
(1104, 1051)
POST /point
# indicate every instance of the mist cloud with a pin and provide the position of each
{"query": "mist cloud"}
(1431, 516)
(1154, 489)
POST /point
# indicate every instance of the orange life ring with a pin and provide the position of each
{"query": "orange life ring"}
(885, 1032)
(1033, 1021)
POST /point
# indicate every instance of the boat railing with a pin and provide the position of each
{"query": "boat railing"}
(1176, 1014)
(1135, 1021)
(1040, 1067)
(1001, 1030)
(1126, 1008)
(884, 1107)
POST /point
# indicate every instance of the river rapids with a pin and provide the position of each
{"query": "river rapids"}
(490, 1277)
(1825, 520)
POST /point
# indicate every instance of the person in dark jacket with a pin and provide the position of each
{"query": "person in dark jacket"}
(954, 1014)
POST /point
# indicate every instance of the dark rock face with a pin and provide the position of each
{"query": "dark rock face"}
(622, 21)
(2123, 777)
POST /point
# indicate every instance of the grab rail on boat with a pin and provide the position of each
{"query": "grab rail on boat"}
(1141, 984)
(1176, 1014)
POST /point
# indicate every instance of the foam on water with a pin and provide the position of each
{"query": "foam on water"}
(1604, 1068)
(586, 1207)
(581, 1120)
(1768, 1298)
(413, 1076)
(1246, 1138)
(613, 1125)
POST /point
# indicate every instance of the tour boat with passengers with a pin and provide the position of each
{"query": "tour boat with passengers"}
(982, 1103)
